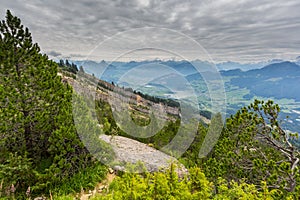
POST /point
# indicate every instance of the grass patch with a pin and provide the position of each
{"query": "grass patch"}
(86, 179)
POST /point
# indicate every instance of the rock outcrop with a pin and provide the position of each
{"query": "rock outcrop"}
(129, 151)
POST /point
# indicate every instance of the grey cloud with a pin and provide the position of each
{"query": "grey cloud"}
(77, 55)
(229, 30)
(54, 53)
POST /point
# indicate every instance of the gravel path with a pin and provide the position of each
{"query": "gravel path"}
(131, 151)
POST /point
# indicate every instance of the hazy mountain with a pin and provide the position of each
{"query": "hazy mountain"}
(232, 72)
(279, 80)
(92, 67)
(183, 67)
(298, 60)
(277, 70)
(245, 66)
(235, 65)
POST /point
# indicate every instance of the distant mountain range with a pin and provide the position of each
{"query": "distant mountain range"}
(279, 80)
(183, 66)
(245, 66)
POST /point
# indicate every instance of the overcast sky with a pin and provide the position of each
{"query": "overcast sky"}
(236, 30)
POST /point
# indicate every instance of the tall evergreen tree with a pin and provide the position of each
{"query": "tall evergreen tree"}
(37, 131)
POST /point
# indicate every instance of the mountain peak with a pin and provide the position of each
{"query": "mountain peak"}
(281, 69)
(283, 65)
(102, 62)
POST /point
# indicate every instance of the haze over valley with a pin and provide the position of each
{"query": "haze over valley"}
(276, 79)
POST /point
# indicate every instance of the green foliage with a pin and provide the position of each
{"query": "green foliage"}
(89, 131)
(167, 185)
(169, 102)
(15, 172)
(66, 66)
(39, 144)
(191, 157)
(159, 140)
(233, 190)
(64, 197)
(84, 180)
(212, 136)
(160, 185)
(254, 148)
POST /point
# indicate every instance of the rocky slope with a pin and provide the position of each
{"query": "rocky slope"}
(129, 151)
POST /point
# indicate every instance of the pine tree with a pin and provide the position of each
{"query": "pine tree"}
(29, 80)
(81, 69)
(39, 144)
(254, 147)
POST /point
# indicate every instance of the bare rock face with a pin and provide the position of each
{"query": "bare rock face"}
(130, 151)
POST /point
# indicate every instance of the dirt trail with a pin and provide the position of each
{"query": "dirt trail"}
(101, 187)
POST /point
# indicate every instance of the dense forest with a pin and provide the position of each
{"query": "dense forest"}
(42, 155)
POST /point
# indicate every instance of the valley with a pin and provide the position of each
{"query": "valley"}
(278, 80)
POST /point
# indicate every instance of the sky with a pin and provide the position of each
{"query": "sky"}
(224, 30)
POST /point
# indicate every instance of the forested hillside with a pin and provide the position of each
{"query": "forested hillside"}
(42, 155)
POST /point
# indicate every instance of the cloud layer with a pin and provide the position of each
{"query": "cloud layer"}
(247, 30)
